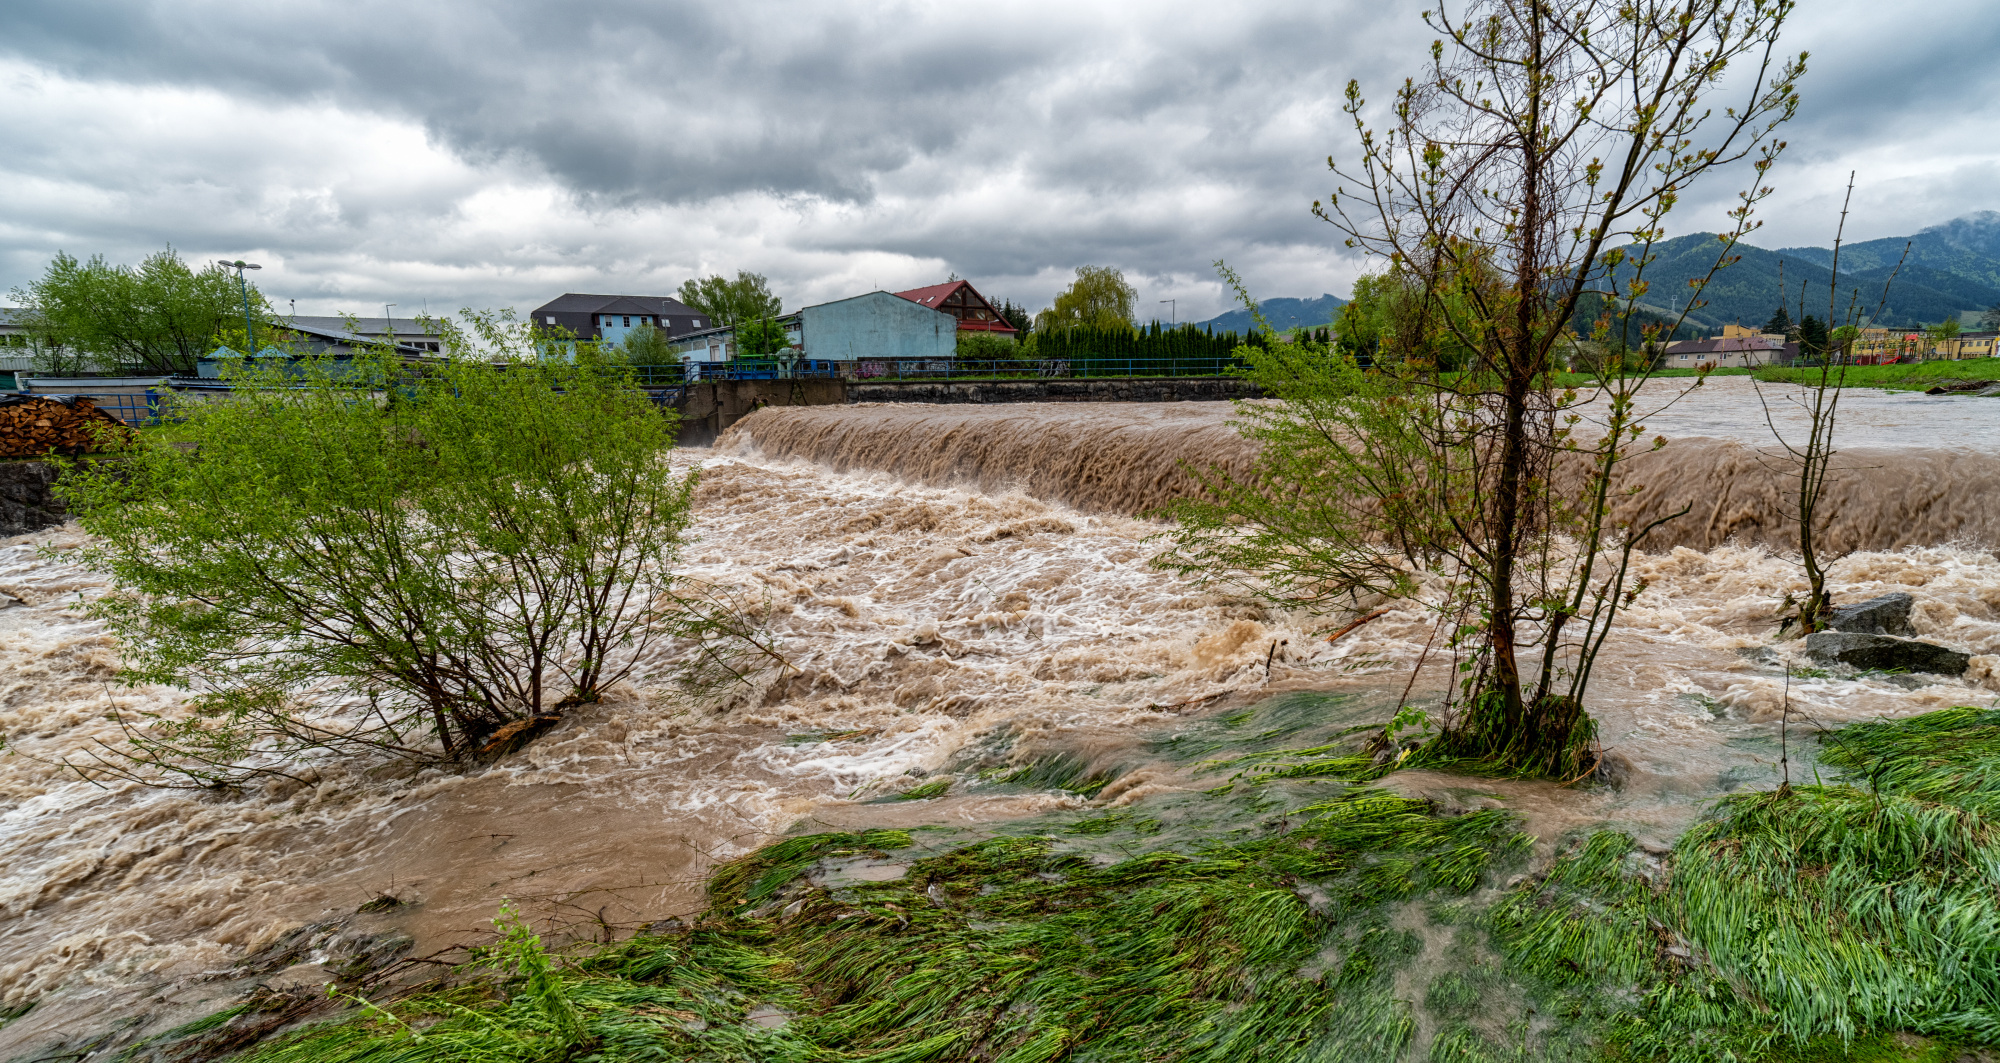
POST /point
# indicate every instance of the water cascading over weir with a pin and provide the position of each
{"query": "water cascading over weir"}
(1906, 479)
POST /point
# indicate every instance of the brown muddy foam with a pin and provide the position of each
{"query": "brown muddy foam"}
(1917, 475)
(919, 621)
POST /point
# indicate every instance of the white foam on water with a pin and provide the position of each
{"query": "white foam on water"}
(916, 619)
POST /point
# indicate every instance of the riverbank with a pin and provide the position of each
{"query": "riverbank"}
(1915, 376)
(1294, 911)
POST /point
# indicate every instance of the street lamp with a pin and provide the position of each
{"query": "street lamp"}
(1173, 316)
(249, 328)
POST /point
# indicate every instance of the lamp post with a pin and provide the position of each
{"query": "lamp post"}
(249, 328)
(1173, 316)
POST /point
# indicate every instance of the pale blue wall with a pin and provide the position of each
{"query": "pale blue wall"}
(877, 325)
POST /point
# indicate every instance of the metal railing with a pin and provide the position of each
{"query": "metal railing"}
(137, 410)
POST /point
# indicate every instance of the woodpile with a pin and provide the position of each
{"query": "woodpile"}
(33, 425)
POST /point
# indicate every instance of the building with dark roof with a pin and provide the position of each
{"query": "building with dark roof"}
(610, 318)
(962, 301)
(1730, 352)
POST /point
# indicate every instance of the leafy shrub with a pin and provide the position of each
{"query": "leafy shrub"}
(458, 547)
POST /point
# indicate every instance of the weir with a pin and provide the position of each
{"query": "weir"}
(1910, 472)
(710, 408)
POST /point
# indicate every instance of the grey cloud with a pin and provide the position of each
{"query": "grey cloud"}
(674, 102)
(811, 140)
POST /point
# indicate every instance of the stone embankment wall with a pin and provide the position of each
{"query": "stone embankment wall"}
(27, 497)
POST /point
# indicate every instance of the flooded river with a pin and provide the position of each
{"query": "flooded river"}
(951, 586)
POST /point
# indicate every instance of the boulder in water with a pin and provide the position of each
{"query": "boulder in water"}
(1884, 652)
(1887, 614)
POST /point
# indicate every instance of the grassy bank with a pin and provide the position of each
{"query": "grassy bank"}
(1294, 915)
(1915, 376)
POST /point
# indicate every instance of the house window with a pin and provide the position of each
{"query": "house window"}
(550, 318)
(628, 322)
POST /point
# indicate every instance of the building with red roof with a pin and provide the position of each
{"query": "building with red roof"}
(962, 301)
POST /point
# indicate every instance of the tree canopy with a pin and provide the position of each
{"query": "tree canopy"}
(732, 302)
(1098, 298)
(159, 316)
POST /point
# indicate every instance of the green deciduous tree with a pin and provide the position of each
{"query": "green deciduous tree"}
(730, 302)
(647, 345)
(1943, 332)
(1542, 138)
(760, 337)
(365, 556)
(1098, 298)
(159, 316)
(987, 346)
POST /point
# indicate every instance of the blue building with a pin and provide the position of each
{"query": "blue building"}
(878, 326)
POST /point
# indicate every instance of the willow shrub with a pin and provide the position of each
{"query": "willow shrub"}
(364, 554)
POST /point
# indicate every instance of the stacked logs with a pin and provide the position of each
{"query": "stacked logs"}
(33, 425)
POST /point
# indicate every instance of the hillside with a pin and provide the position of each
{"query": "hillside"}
(1283, 314)
(1953, 268)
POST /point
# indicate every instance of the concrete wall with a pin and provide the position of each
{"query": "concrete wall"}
(877, 326)
(707, 409)
(1121, 389)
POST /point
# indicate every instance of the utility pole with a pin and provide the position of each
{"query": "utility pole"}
(249, 327)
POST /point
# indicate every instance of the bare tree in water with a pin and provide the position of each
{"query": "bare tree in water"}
(1824, 374)
(1533, 163)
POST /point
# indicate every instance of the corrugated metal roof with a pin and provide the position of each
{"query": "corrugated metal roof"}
(401, 326)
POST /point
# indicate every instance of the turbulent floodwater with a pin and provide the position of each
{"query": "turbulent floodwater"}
(941, 579)
(1913, 470)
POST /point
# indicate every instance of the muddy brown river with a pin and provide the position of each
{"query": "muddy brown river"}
(940, 579)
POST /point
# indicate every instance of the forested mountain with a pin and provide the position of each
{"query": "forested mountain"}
(1283, 314)
(1952, 269)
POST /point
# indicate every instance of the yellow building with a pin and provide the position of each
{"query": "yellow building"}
(1968, 345)
(1880, 346)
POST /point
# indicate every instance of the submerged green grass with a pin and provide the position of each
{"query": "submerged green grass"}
(1825, 922)
(1825, 915)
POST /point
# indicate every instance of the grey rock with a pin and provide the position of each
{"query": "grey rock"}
(1887, 614)
(1884, 652)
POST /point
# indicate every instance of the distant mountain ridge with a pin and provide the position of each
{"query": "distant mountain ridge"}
(1284, 314)
(1953, 269)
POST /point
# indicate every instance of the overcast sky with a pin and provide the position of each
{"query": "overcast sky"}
(447, 153)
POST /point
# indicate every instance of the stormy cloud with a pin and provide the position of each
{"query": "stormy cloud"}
(451, 153)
